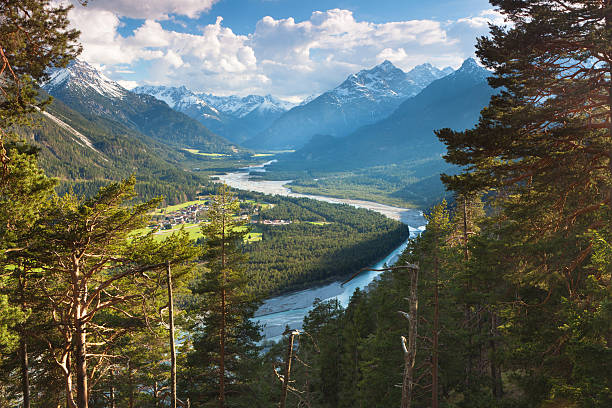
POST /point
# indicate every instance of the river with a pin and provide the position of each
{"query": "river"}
(289, 309)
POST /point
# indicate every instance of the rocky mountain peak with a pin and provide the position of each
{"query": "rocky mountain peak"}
(471, 68)
(81, 75)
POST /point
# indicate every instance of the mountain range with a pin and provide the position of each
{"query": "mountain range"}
(363, 98)
(233, 117)
(86, 90)
(454, 101)
(401, 147)
(377, 117)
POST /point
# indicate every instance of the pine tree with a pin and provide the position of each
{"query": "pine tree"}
(543, 148)
(224, 337)
(34, 36)
(91, 267)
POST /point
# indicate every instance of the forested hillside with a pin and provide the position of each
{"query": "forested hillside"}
(85, 154)
(323, 242)
(81, 87)
(504, 300)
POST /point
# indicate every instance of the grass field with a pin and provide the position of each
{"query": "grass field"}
(196, 151)
(194, 232)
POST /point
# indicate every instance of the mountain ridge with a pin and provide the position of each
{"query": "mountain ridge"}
(86, 90)
(362, 98)
(233, 117)
(453, 101)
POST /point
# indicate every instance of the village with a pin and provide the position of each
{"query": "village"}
(195, 212)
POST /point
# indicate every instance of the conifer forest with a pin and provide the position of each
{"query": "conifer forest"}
(110, 297)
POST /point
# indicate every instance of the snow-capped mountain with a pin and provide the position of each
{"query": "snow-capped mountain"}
(454, 101)
(234, 117)
(363, 98)
(308, 99)
(85, 89)
(182, 100)
(386, 81)
(81, 75)
(242, 106)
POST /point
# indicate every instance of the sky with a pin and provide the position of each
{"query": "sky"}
(288, 48)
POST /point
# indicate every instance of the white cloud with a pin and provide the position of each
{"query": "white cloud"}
(128, 84)
(284, 57)
(483, 19)
(156, 9)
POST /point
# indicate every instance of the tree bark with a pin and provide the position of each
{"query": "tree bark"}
(80, 336)
(67, 363)
(25, 371)
(466, 310)
(436, 329)
(609, 27)
(23, 345)
(113, 403)
(156, 394)
(409, 346)
(172, 346)
(495, 370)
(222, 329)
(131, 384)
(287, 370)
(81, 363)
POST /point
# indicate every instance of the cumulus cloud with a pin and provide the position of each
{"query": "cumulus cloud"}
(483, 19)
(284, 57)
(128, 84)
(156, 9)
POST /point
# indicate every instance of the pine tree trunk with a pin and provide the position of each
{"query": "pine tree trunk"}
(80, 338)
(410, 347)
(287, 370)
(131, 384)
(495, 371)
(467, 312)
(23, 347)
(81, 364)
(609, 27)
(66, 365)
(436, 328)
(222, 329)
(25, 371)
(113, 403)
(172, 346)
(156, 394)
(222, 353)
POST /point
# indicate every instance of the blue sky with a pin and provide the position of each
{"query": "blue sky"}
(289, 48)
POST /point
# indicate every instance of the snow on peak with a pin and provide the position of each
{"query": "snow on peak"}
(241, 106)
(308, 99)
(182, 99)
(470, 67)
(424, 74)
(386, 81)
(80, 74)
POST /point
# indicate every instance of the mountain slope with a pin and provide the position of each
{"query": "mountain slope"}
(233, 117)
(363, 98)
(84, 89)
(85, 153)
(454, 101)
(397, 160)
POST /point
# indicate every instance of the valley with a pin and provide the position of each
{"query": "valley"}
(288, 204)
